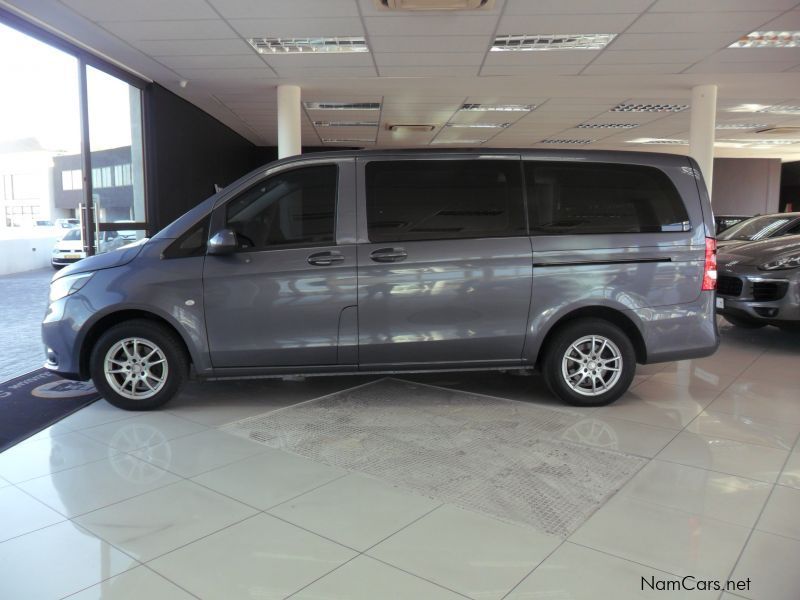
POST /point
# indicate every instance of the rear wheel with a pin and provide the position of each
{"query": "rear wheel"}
(744, 322)
(138, 365)
(590, 362)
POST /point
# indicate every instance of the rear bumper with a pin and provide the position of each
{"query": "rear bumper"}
(761, 295)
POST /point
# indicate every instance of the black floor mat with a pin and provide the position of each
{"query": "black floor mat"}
(33, 401)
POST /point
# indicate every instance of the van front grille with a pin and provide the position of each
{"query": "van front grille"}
(729, 286)
(767, 291)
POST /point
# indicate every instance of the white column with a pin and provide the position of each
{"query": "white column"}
(288, 120)
(702, 128)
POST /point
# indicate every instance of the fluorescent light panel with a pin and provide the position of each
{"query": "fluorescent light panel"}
(498, 107)
(551, 41)
(342, 105)
(664, 141)
(345, 123)
(348, 140)
(775, 142)
(781, 109)
(741, 125)
(309, 45)
(633, 107)
(607, 125)
(470, 142)
(768, 39)
(571, 142)
(478, 125)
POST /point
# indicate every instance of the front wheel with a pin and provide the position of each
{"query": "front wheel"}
(138, 365)
(590, 362)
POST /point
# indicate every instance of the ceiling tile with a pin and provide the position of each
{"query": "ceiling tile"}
(788, 21)
(532, 59)
(425, 71)
(299, 61)
(437, 58)
(532, 70)
(346, 26)
(633, 69)
(125, 10)
(778, 55)
(277, 9)
(416, 25)
(213, 61)
(737, 67)
(742, 22)
(628, 57)
(673, 41)
(227, 74)
(368, 9)
(583, 23)
(473, 43)
(194, 47)
(170, 30)
(286, 71)
(720, 5)
(555, 7)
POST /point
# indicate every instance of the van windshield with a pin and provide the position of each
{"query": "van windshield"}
(757, 228)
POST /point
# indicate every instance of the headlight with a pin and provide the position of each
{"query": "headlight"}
(784, 262)
(68, 285)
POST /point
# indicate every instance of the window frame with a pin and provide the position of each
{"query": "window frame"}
(363, 219)
(532, 202)
(219, 212)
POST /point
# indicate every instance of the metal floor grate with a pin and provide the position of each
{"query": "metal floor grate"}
(500, 457)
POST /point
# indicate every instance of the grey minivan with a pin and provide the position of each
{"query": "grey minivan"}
(580, 264)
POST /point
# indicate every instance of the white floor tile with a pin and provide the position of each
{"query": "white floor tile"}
(695, 378)
(770, 561)
(136, 584)
(57, 561)
(469, 553)
(82, 489)
(697, 491)
(19, 514)
(199, 452)
(261, 557)
(149, 429)
(610, 433)
(3, 483)
(760, 400)
(365, 578)
(95, 414)
(664, 538)
(782, 513)
(762, 432)
(157, 522)
(356, 511)
(659, 404)
(50, 455)
(575, 572)
(791, 472)
(726, 456)
(265, 480)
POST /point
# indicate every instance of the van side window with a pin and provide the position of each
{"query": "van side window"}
(294, 208)
(442, 199)
(191, 243)
(570, 198)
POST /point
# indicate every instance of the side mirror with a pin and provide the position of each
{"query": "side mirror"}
(223, 242)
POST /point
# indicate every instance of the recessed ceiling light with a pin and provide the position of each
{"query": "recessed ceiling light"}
(342, 105)
(740, 125)
(345, 123)
(576, 142)
(498, 107)
(308, 45)
(465, 142)
(552, 41)
(607, 125)
(665, 141)
(434, 4)
(411, 127)
(768, 39)
(625, 107)
(747, 108)
(774, 142)
(348, 140)
(478, 125)
(781, 109)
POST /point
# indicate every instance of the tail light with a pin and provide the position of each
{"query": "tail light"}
(710, 267)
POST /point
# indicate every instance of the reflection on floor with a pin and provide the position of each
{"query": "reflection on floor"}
(110, 504)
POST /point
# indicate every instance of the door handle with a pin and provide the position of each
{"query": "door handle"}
(389, 255)
(324, 259)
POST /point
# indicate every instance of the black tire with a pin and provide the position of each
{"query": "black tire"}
(744, 322)
(560, 343)
(177, 362)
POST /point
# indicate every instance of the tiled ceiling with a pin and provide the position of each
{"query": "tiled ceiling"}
(423, 67)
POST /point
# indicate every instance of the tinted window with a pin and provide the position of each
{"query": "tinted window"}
(757, 228)
(191, 243)
(565, 198)
(296, 208)
(443, 199)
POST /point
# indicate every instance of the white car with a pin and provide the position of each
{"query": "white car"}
(69, 249)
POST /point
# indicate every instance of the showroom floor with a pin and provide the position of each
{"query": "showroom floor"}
(179, 503)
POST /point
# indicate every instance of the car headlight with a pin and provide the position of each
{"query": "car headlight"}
(784, 262)
(70, 284)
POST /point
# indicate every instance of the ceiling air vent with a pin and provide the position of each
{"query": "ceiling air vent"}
(434, 4)
(411, 128)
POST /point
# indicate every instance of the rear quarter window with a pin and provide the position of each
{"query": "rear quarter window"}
(602, 198)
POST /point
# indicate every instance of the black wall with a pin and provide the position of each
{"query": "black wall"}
(790, 186)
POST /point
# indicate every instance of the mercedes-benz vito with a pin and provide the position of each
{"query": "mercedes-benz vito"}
(579, 264)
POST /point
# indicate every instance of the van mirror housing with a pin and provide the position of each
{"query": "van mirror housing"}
(223, 242)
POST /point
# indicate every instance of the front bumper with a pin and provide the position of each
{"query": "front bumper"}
(61, 261)
(769, 296)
